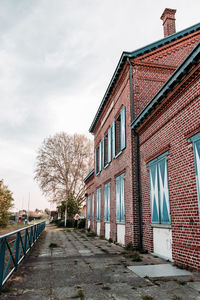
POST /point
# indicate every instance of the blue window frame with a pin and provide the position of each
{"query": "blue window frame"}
(113, 142)
(98, 158)
(92, 206)
(196, 149)
(107, 202)
(120, 211)
(98, 204)
(119, 133)
(88, 207)
(159, 191)
(106, 148)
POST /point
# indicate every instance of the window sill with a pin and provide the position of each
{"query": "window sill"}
(118, 154)
(169, 226)
(106, 165)
(98, 173)
(120, 223)
(107, 222)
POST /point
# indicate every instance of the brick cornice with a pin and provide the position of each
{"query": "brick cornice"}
(161, 151)
(193, 131)
(171, 98)
(153, 65)
(171, 46)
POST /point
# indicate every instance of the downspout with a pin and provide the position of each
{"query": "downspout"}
(137, 158)
(131, 89)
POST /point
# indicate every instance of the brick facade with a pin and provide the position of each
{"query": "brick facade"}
(149, 72)
(169, 128)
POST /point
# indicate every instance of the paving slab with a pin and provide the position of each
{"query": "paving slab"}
(161, 270)
(87, 268)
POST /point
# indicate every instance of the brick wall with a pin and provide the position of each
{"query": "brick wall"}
(150, 71)
(169, 127)
(123, 163)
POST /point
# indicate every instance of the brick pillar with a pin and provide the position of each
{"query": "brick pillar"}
(168, 18)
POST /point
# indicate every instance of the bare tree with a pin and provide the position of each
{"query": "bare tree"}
(62, 163)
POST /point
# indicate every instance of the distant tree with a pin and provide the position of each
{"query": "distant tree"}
(6, 202)
(47, 211)
(72, 207)
(62, 163)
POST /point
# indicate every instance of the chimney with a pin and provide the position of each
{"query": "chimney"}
(168, 18)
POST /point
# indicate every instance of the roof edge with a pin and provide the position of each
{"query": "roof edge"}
(134, 54)
(89, 175)
(168, 85)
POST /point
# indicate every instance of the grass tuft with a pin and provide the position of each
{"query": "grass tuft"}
(146, 297)
(53, 245)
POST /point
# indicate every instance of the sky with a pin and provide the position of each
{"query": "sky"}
(57, 58)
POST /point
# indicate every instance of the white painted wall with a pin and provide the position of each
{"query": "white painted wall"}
(121, 234)
(162, 242)
(88, 223)
(107, 231)
(98, 228)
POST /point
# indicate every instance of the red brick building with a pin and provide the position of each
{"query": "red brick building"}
(126, 151)
(169, 148)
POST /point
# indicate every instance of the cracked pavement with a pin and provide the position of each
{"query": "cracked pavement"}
(68, 264)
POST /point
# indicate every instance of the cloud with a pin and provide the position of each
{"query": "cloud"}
(56, 61)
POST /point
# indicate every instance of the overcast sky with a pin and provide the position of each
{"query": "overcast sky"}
(56, 60)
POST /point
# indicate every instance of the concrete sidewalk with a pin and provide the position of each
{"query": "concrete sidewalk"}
(72, 265)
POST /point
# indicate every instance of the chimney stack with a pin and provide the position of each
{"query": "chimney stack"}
(168, 18)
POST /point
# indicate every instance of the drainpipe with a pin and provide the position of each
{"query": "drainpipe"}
(131, 89)
(137, 158)
(139, 190)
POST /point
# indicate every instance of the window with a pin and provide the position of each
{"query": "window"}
(159, 192)
(93, 207)
(98, 161)
(119, 133)
(196, 148)
(120, 213)
(107, 148)
(113, 142)
(107, 202)
(88, 207)
(98, 204)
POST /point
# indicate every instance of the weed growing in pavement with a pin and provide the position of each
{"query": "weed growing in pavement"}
(129, 247)
(53, 245)
(133, 255)
(91, 234)
(175, 297)
(110, 240)
(181, 282)
(6, 290)
(106, 288)
(146, 297)
(104, 250)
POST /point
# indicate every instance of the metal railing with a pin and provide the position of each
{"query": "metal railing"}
(13, 248)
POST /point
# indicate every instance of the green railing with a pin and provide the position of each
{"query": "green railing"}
(13, 248)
